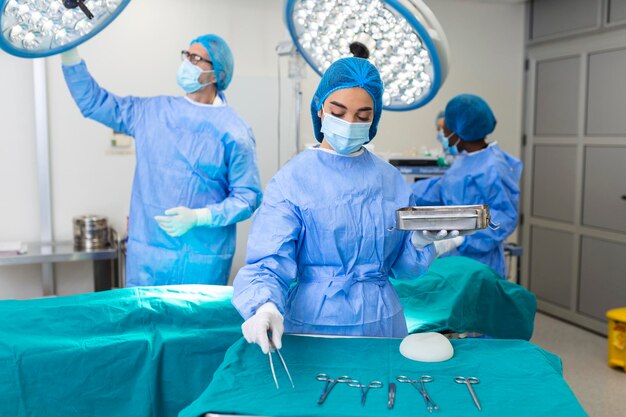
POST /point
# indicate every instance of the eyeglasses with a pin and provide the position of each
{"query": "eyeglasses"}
(193, 58)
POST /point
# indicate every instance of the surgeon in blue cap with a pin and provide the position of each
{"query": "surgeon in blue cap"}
(322, 246)
(481, 174)
(196, 173)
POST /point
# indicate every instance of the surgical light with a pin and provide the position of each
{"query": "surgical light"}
(40, 28)
(401, 37)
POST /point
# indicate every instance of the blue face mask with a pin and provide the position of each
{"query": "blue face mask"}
(344, 137)
(445, 142)
(188, 76)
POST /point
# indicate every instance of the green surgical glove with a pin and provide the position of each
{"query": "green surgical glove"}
(178, 221)
(70, 57)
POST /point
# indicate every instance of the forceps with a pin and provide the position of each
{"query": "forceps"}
(330, 384)
(469, 381)
(269, 355)
(365, 388)
(430, 404)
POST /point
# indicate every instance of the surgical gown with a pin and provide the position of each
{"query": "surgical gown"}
(489, 176)
(322, 247)
(189, 155)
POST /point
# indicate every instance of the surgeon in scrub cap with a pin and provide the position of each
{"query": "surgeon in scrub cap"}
(322, 246)
(196, 173)
(481, 174)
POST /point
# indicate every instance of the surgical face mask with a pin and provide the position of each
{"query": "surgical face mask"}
(345, 137)
(188, 77)
(445, 142)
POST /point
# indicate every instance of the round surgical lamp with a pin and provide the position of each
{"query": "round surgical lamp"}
(401, 37)
(40, 28)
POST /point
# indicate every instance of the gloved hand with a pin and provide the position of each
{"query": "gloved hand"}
(267, 318)
(70, 57)
(179, 220)
(419, 239)
(447, 245)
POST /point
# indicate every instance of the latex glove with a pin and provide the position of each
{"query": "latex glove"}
(419, 239)
(447, 245)
(70, 57)
(267, 318)
(179, 220)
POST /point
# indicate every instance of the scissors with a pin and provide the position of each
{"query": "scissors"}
(430, 404)
(330, 384)
(269, 355)
(469, 381)
(365, 388)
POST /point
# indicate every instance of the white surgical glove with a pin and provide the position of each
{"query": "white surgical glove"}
(179, 220)
(421, 238)
(70, 57)
(267, 318)
(447, 245)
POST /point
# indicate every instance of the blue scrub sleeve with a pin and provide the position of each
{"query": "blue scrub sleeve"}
(503, 209)
(411, 262)
(244, 184)
(271, 254)
(427, 192)
(94, 102)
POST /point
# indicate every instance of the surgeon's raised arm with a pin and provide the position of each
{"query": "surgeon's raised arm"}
(94, 102)
(244, 184)
(271, 254)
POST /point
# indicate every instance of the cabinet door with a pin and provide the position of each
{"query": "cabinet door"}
(554, 17)
(554, 182)
(551, 265)
(606, 98)
(602, 277)
(557, 97)
(617, 10)
(605, 188)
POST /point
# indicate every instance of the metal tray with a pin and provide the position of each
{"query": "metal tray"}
(443, 218)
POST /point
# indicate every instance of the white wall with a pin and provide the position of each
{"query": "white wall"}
(139, 54)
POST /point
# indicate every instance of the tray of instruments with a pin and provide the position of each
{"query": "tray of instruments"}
(473, 217)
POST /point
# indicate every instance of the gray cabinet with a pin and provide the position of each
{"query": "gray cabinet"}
(602, 277)
(574, 196)
(605, 188)
(556, 17)
(617, 10)
(554, 182)
(557, 97)
(606, 98)
(551, 254)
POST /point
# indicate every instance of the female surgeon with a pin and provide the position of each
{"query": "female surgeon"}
(326, 222)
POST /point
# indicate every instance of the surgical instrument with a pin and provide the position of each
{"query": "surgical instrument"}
(330, 384)
(469, 381)
(430, 404)
(392, 395)
(365, 388)
(269, 355)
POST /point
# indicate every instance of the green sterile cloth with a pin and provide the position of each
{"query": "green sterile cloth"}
(463, 295)
(128, 352)
(517, 379)
(151, 351)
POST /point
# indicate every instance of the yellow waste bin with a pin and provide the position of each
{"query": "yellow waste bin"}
(617, 337)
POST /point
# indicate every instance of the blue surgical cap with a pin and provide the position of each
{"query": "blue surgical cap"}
(470, 117)
(348, 73)
(221, 57)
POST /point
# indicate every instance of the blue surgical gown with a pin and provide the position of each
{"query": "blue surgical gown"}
(322, 247)
(188, 155)
(491, 177)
